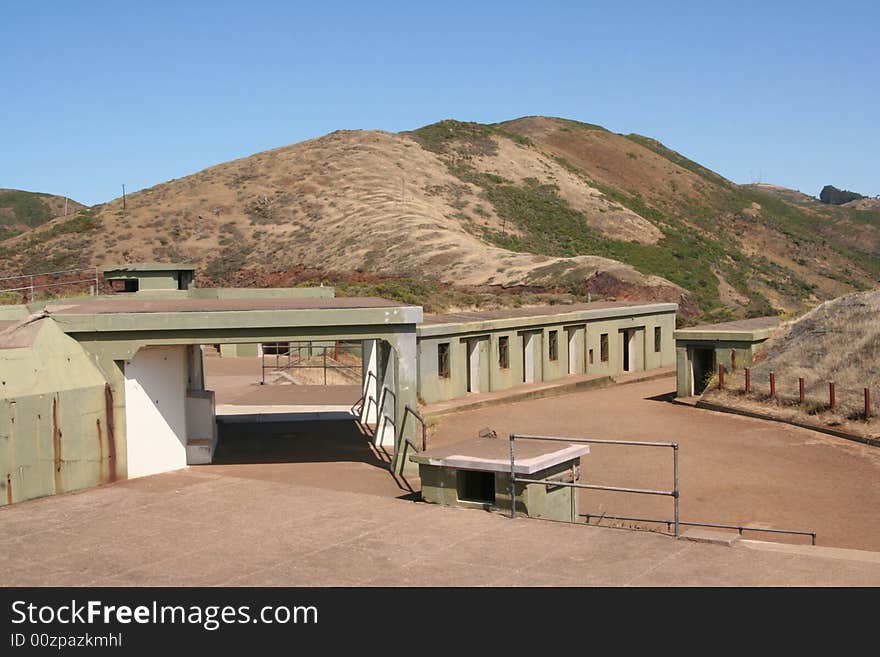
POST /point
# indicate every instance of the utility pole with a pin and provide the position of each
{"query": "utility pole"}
(65, 206)
(123, 197)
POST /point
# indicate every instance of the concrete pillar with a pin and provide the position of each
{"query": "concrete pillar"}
(682, 373)
(403, 345)
(370, 381)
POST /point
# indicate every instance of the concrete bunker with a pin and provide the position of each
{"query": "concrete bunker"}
(141, 362)
(149, 277)
(475, 473)
(488, 351)
(699, 350)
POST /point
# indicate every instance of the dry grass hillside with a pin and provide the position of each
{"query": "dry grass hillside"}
(535, 204)
(838, 341)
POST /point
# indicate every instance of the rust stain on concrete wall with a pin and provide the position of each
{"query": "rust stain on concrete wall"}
(56, 446)
(111, 433)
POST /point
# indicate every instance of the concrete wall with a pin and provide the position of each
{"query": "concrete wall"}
(155, 409)
(574, 340)
(512, 375)
(436, 387)
(56, 434)
(240, 350)
(440, 486)
(149, 280)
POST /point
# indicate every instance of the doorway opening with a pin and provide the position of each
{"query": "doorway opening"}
(703, 366)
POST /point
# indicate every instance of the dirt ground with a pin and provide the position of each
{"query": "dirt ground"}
(733, 469)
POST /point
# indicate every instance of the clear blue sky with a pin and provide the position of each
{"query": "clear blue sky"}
(96, 94)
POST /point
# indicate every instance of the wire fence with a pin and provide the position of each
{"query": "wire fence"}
(28, 285)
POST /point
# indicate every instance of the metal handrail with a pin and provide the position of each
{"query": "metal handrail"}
(421, 420)
(381, 408)
(364, 399)
(739, 528)
(674, 493)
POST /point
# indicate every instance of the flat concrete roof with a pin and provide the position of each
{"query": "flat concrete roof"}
(126, 304)
(147, 266)
(493, 455)
(136, 314)
(505, 318)
(754, 329)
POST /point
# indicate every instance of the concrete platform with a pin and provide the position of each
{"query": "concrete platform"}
(272, 531)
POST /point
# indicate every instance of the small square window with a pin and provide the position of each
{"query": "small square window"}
(553, 338)
(504, 352)
(603, 347)
(658, 340)
(443, 360)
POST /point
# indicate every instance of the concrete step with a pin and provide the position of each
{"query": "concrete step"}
(200, 451)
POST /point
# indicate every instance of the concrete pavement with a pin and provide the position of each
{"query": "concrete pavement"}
(208, 526)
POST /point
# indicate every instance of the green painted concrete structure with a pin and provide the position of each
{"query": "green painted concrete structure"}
(57, 429)
(65, 389)
(542, 344)
(150, 276)
(699, 350)
(475, 474)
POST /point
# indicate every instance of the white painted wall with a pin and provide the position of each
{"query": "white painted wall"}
(385, 430)
(155, 410)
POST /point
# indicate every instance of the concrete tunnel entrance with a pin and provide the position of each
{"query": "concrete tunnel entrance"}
(152, 353)
(261, 413)
(323, 432)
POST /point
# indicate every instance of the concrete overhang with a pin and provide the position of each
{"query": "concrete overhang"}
(493, 455)
(584, 313)
(747, 330)
(135, 267)
(194, 315)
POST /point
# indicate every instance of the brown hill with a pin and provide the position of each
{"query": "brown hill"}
(535, 203)
(20, 211)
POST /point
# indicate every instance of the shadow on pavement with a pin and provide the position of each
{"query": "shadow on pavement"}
(324, 441)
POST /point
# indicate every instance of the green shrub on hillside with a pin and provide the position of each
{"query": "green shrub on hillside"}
(28, 208)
